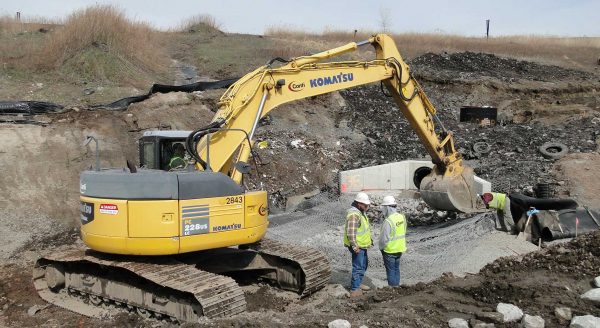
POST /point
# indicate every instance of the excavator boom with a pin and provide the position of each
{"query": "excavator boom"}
(448, 187)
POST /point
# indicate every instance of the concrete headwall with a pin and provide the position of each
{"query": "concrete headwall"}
(392, 176)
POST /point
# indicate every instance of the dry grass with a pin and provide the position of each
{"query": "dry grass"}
(574, 52)
(96, 43)
(11, 26)
(330, 35)
(577, 52)
(105, 29)
(20, 41)
(200, 23)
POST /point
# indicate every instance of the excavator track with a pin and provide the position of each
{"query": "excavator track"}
(179, 289)
(164, 289)
(313, 263)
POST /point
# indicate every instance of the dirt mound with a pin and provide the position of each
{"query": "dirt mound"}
(579, 170)
(537, 283)
(265, 298)
(471, 65)
(101, 43)
(580, 256)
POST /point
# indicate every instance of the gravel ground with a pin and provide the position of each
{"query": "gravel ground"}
(459, 246)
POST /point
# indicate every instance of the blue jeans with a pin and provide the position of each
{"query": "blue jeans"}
(392, 268)
(360, 262)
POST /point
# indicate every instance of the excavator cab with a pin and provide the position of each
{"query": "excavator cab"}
(157, 148)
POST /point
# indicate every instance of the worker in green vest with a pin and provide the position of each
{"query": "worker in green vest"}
(392, 240)
(177, 161)
(357, 237)
(501, 203)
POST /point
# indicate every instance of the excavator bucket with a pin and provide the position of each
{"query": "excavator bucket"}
(448, 193)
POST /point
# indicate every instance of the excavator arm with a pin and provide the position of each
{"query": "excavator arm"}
(226, 142)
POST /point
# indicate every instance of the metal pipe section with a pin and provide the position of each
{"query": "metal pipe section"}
(208, 152)
(363, 43)
(88, 139)
(259, 113)
(439, 122)
(97, 154)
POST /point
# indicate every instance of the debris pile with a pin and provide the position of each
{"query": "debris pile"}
(513, 162)
(580, 256)
(470, 65)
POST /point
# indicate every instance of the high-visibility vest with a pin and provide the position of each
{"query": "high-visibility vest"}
(363, 232)
(498, 201)
(176, 162)
(397, 242)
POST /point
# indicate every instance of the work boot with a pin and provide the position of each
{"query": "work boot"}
(365, 287)
(355, 293)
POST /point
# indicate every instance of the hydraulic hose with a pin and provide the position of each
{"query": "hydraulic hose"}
(398, 69)
(194, 137)
(279, 59)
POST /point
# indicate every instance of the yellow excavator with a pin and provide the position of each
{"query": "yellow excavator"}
(174, 244)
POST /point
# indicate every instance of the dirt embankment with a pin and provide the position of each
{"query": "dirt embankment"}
(308, 142)
(42, 163)
(537, 283)
(580, 173)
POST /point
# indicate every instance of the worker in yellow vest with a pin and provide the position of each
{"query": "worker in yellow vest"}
(501, 203)
(357, 237)
(392, 240)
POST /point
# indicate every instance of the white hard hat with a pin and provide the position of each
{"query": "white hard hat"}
(388, 201)
(363, 198)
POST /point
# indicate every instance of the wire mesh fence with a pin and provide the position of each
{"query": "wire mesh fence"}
(458, 246)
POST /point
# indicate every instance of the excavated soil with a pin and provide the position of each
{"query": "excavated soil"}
(537, 282)
(308, 142)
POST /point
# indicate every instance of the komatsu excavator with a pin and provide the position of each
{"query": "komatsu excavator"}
(169, 244)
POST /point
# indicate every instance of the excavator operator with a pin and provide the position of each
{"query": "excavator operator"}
(177, 161)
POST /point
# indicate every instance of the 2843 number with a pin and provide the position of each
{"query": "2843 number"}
(234, 200)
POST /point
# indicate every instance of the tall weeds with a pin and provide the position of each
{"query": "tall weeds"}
(107, 29)
(95, 43)
(202, 22)
(578, 52)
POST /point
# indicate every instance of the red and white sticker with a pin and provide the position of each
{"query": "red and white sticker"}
(110, 209)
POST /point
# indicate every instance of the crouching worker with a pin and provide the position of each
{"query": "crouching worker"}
(392, 241)
(501, 203)
(357, 237)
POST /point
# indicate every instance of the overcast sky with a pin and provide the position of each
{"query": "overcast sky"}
(466, 17)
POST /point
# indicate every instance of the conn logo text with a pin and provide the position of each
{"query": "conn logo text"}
(296, 86)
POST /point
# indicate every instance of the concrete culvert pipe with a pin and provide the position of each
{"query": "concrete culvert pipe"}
(420, 173)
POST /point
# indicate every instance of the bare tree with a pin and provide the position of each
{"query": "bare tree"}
(385, 19)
